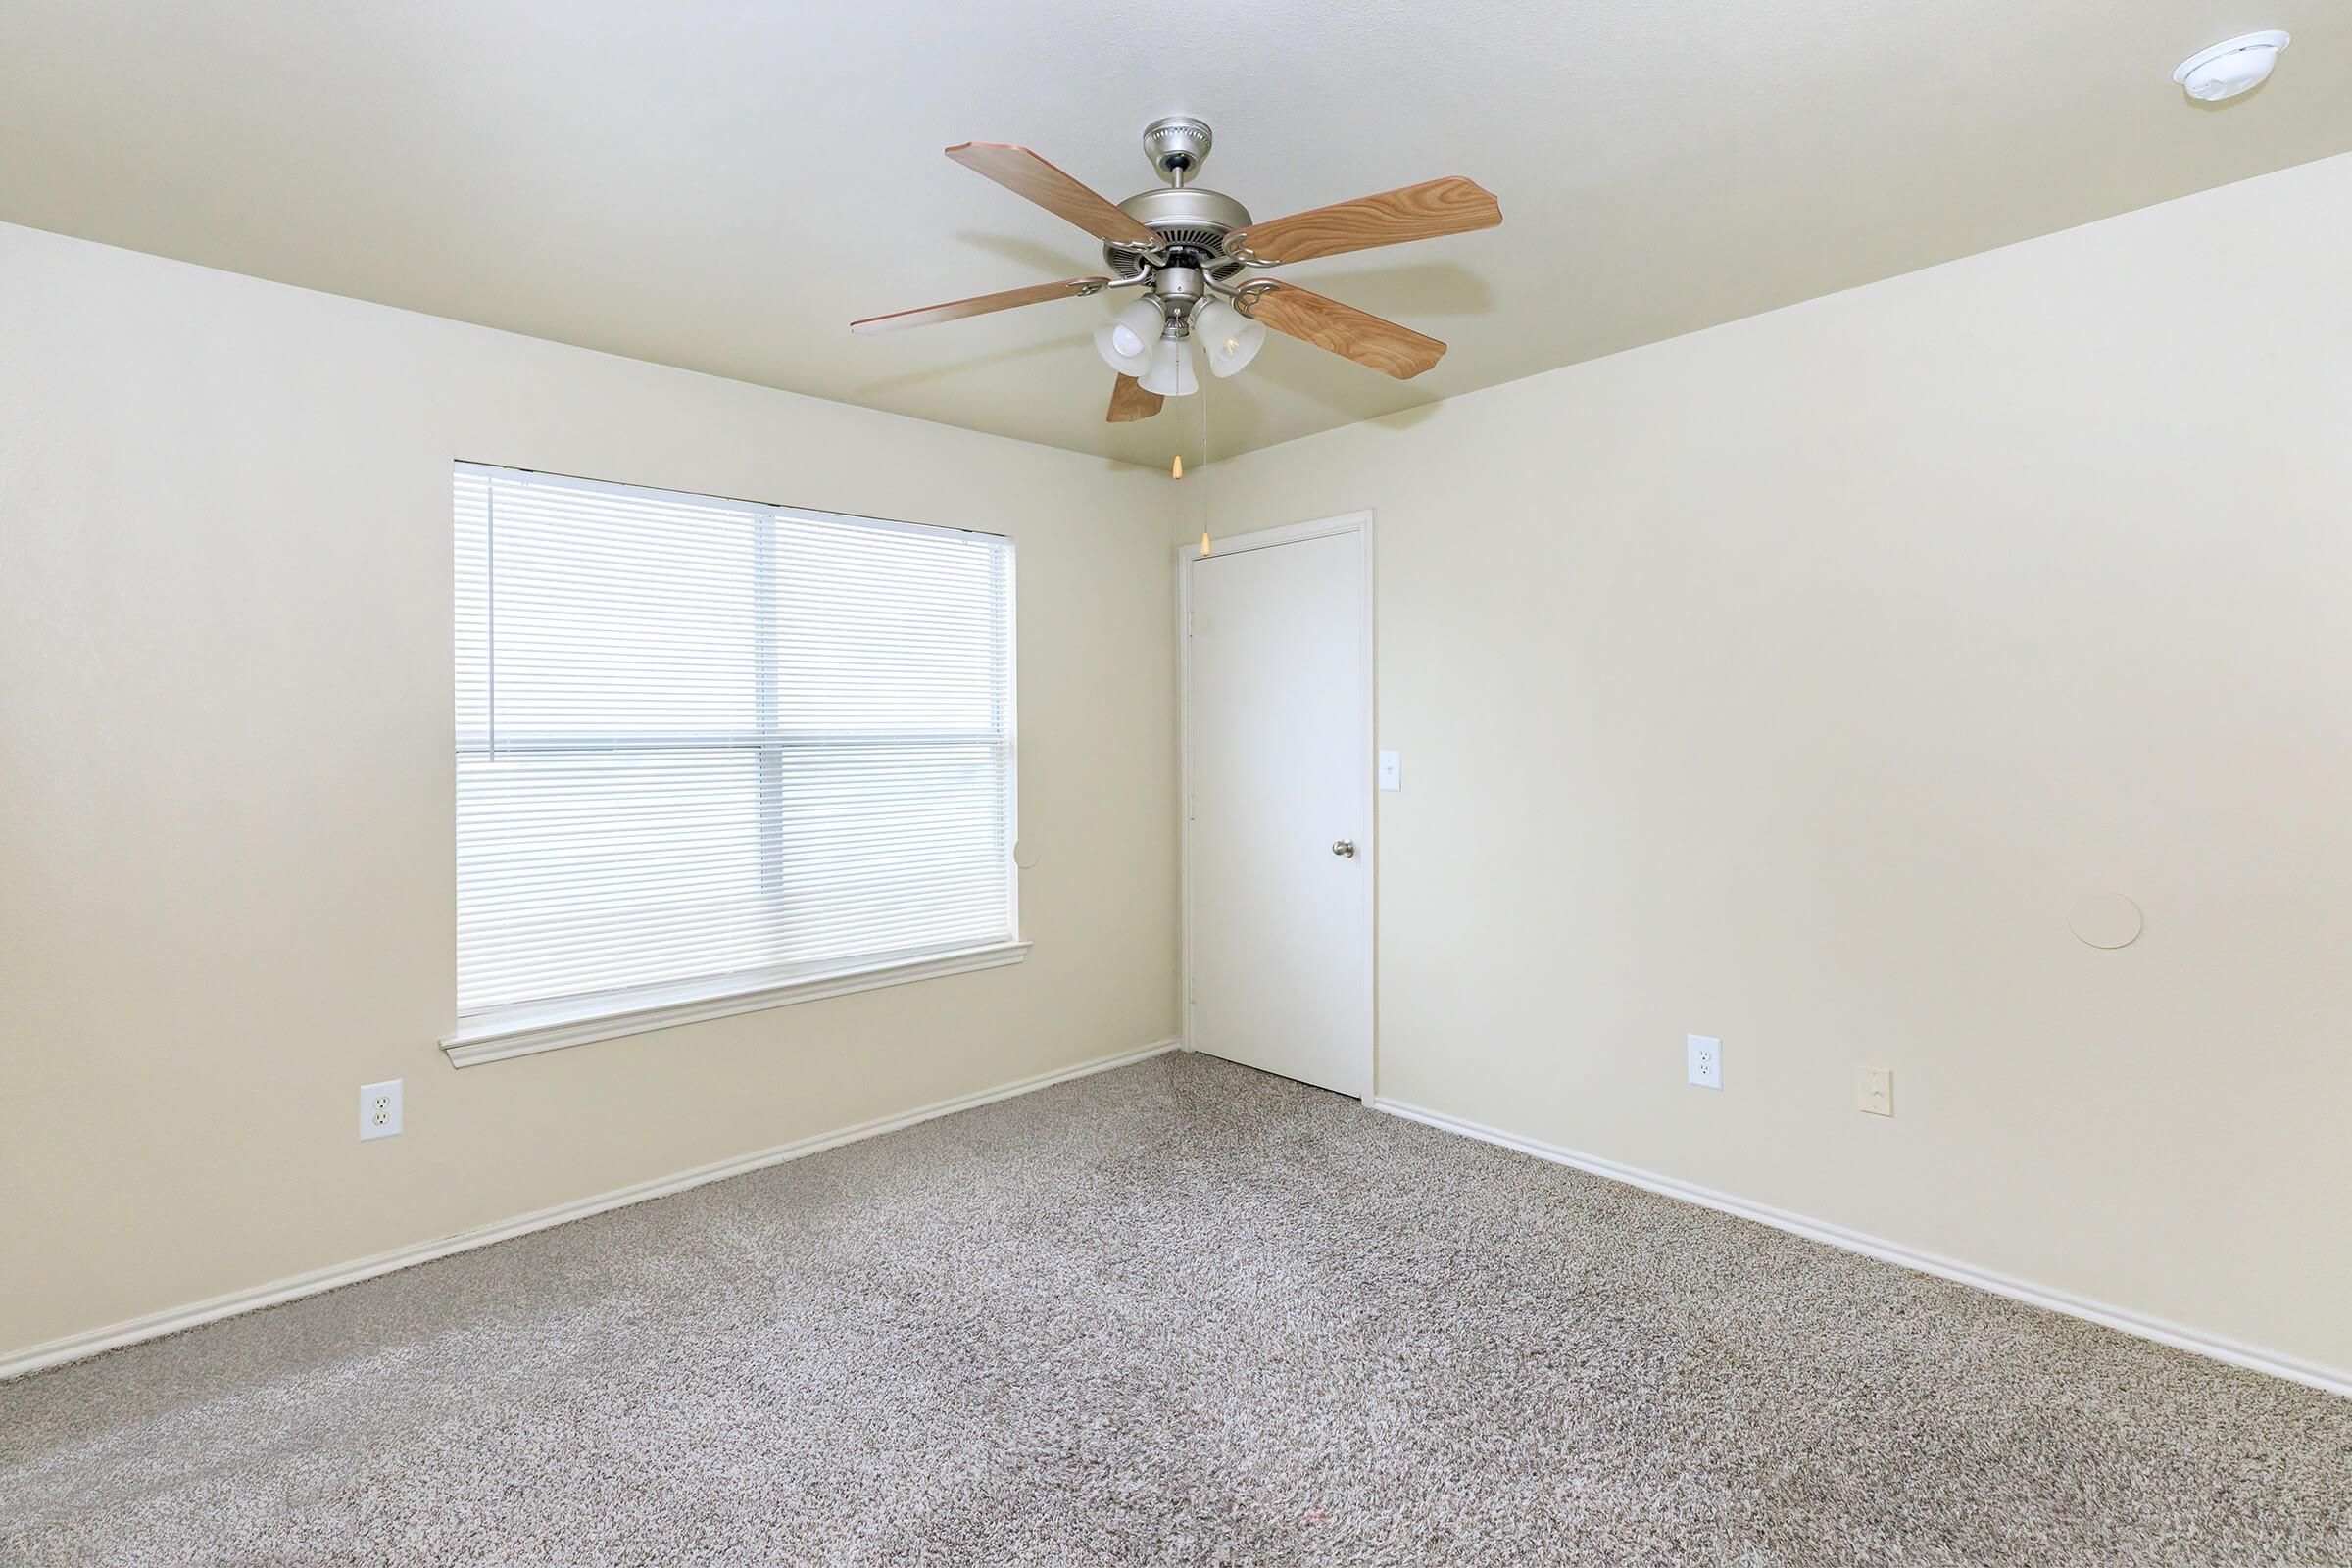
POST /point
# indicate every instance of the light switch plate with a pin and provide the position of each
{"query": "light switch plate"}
(1392, 771)
(1874, 1091)
(1706, 1061)
(379, 1110)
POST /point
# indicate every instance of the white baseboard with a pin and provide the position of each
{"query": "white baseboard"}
(2252, 1358)
(154, 1325)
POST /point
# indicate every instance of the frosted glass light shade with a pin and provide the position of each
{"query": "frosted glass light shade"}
(1127, 340)
(1172, 372)
(1229, 338)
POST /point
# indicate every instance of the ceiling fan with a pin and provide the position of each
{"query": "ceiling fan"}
(1185, 245)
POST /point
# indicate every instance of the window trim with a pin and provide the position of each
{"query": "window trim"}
(526, 1027)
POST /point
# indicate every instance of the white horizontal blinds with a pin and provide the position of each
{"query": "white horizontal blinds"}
(894, 694)
(701, 738)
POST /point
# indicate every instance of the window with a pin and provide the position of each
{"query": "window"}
(712, 756)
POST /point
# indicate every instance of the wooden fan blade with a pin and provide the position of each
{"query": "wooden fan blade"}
(1025, 175)
(1344, 330)
(1449, 206)
(1129, 401)
(982, 304)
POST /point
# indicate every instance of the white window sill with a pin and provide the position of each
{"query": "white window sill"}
(521, 1030)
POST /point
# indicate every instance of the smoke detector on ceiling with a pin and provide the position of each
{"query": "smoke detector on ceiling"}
(2228, 68)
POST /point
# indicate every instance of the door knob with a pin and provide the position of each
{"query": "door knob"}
(1346, 847)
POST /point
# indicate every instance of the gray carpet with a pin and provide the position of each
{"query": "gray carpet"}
(1180, 1313)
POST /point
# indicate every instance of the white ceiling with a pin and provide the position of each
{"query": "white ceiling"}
(725, 186)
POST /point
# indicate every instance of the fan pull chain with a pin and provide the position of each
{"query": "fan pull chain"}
(1203, 463)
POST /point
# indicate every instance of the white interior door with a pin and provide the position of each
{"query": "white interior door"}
(1279, 843)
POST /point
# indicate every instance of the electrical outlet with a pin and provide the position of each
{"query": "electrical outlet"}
(379, 1110)
(1874, 1091)
(1706, 1062)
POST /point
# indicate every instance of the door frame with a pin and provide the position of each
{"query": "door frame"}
(1358, 523)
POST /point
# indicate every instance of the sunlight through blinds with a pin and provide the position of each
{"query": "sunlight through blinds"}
(701, 738)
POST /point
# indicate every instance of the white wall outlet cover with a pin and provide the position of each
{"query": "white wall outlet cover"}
(379, 1110)
(1392, 771)
(1874, 1091)
(2105, 920)
(1706, 1061)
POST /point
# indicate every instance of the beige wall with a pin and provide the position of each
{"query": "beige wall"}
(1789, 681)
(1785, 682)
(226, 811)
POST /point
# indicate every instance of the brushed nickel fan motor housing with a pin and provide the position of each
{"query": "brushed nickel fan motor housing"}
(1190, 221)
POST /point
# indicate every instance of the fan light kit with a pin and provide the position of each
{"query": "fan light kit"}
(2228, 68)
(1189, 250)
